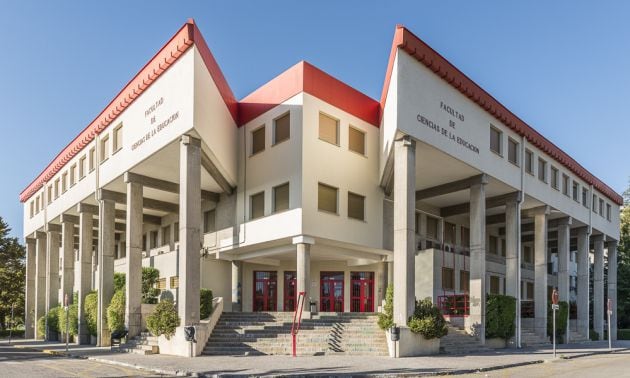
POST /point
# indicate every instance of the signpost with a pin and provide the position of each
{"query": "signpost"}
(554, 307)
(65, 307)
(610, 305)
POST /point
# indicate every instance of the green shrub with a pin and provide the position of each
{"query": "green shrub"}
(150, 277)
(500, 316)
(205, 303)
(53, 322)
(119, 281)
(427, 320)
(73, 316)
(593, 335)
(90, 307)
(386, 318)
(562, 316)
(623, 334)
(164, 319)
(116, 312)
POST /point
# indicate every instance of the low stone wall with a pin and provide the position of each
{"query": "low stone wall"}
(411, 344)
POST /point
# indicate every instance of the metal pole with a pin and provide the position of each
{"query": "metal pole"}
(11, 325)
(67, 327)
(554, 333)
(609, 330)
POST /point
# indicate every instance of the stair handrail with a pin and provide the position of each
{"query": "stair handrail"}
(297, 319)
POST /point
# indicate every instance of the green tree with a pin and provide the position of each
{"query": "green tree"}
(164, 319)
(623, 265)
(12, 276)
(150, 277)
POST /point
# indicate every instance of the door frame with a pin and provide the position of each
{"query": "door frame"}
(275, 294)
(363, 282)
(343, 289)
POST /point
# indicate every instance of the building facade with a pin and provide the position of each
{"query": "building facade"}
(307, 185)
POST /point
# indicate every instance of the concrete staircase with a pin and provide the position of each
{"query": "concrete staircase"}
(266, 333)
(459, 342)
(143, 344)
(530, 339)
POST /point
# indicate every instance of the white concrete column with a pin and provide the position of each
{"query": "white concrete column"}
(476, 321)
(67, 246)
(598, 285)
(237, 285)
(133, 267)
(40, 281)
(303, 266)
(563, 265)
(106, 242)
(583, 265)
(404, 228)
(29, 295)
(189, 229)
(390, 274)
(612, 286)
(84, 274)
(52, 267)
(512, 259)
(540, 271)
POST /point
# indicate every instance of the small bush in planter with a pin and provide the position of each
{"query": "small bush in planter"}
(90, 307)
(205, 303)
(72, 318)
(427, 320)
(53, 322)
(116, 312)
(164, 319)
(561, 320)
(500, 316)
(386, 318)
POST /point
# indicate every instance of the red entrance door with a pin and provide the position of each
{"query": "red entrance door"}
(362, 292)
(265, 291)
(290, 291)
(331, 292)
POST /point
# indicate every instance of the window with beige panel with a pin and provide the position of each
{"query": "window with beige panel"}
(356, 206)
(73, 174)
(57, 188)
(104, 148)
(327, 198)
(448, 278)
(64, 182)
(258, 140)
(118, 138)
(82, 167)
(174, 282)
(464, 280)
(92, 158)
(328, 129)
(257, 205)
(356, 140)
(281, 198)
(282, 128)
(495, 285)
(432, 228)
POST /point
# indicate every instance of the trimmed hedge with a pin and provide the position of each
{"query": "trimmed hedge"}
(623, 334)
(164, 319)
(53, 321)
(119, 281)
(428, 320)
(562, 316)
(73, 315)
(205, 303)
(116, 312)
(386, 318)
(500, 316)
(91, 311)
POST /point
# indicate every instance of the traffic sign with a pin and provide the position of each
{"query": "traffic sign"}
(554, 297)
(555, 307)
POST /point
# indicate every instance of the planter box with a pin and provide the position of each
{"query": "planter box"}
(411, 344)
(496, 343)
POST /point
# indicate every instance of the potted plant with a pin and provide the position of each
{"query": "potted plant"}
(500, 318)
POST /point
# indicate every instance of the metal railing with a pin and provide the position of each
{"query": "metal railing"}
(297, 320)
(454, 305)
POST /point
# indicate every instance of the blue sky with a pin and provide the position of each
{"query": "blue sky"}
(562, 66)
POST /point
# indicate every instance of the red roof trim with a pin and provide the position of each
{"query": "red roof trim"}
(185, 37)
(304, 77)
(414, 46)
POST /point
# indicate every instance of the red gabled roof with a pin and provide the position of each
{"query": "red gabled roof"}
(185, 37)
(414, 46)
(304, 77)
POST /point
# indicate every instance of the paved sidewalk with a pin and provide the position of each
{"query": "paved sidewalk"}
(330, 364)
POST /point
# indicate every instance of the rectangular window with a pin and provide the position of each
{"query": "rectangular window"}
(529, 162)
(565, 185)
(542, 170)
(601, 207)
(327, 198)
(64, 182)
(527, 255)
(554, 178)
(104, 148)
(448, 279)
(32, 208)
(465, 237)
(449, 233)
(513, 151)
(281, 198)
(174, 282)
(57, 188)
(594, 203)
(282, 128)
(530, 290)
(37, 205)
(464, 280)
(493, 245)
(258, 140)
(118, 138)
(73, 175)
(176, 235)
(328, 129)
(82, 167)
(257, 205)
(49, 196)
(585, 197)
(161, 283)
(209, 219)
(503, 247)
(608, 211)
(356, 140)
(166, 235)
(495, 286)
(356, 206)
(496, 140)
(576, 191)
(432, 228)
(153, 239)
(92, 154)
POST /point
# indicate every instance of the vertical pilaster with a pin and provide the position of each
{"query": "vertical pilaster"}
(563, 265)
(133, 268)
(106, 242)
(612, 286)
(583, 265)
(52, 267)
(404, 228)
(67, 245)
(598, 285)
(237, 285)
(476, 321)
(40, 281)
(540, 271)
(29, 295)
(189, 229)
(303, 265)
(512, 258)
(84, 273)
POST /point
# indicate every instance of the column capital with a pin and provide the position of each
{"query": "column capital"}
(51, 227)
(540, 210)
(514, 198)
(566, 221)
(598, 238)
(612, 243)
(87, 208)
(406, 141)
(30, 240)
(40, 235)
(303, 239)
(67, 218)
(190, 140)
(106, 195)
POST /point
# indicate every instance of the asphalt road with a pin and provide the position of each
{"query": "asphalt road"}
(16, 362)
(604, 365)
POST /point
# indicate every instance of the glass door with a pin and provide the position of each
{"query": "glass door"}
(265, 291)
(331, 292)
(290, 291)
(362, 292)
